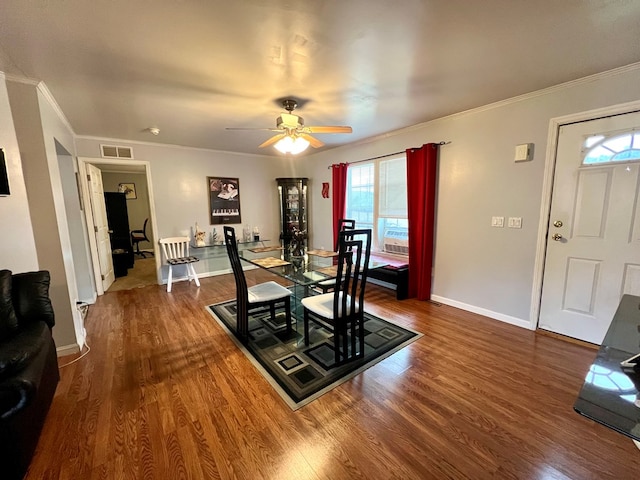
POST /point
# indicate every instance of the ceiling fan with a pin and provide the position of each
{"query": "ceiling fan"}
(294, 137)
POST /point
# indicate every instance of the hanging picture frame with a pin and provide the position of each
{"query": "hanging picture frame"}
(224, 200)
(129, 190)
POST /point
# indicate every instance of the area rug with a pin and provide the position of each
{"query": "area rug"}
(301, 374)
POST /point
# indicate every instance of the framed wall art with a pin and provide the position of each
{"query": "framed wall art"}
(129, 190)
(224, 200)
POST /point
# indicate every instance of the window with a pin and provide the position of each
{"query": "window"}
(377, 199)
(601, 149)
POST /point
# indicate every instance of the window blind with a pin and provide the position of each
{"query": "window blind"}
(392, 189)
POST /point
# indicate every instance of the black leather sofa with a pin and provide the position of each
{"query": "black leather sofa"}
(28, 367)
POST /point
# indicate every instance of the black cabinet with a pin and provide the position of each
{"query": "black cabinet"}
(293, 211)
(118, 221)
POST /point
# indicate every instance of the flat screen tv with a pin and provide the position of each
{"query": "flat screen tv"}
(4, 178)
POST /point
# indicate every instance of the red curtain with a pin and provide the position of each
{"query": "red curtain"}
(339, 180)
(422, 169)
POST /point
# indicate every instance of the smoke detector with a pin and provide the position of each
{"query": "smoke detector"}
(154, 130)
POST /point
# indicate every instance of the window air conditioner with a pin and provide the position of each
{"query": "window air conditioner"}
(396, 240)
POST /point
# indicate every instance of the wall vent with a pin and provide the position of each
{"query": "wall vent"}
(114, 151)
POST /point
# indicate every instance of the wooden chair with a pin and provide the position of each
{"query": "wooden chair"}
(138, 236)
(267, 294)
(342, 310)
(343, 224)
(176, 252)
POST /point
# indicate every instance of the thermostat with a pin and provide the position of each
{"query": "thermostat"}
(524, 152)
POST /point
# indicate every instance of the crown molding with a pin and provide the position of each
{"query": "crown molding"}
(46, 93)
(10, 77)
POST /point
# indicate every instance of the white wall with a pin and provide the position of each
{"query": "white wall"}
(477, 267)
(17, 245)
(180, 187)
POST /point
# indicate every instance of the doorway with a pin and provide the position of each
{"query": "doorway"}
(133, 174)
(592, 246)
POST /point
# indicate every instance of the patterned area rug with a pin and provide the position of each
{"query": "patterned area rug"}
(301, 374)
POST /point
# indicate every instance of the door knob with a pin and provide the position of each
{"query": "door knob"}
(557, 237)
(557, 223)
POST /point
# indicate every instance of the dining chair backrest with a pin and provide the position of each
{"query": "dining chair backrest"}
(354, 250)
(236, 266)
(344, 224)
(175, 247)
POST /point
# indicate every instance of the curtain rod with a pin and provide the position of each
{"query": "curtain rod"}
(383, 156)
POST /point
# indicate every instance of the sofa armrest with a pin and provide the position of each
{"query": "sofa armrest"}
(15, 395)
(31, 297)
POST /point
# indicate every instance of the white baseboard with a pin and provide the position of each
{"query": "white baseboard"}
(89, 301)
(518, 322)
(67, 350)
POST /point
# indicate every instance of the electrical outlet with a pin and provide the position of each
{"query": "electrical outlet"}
(497, 222)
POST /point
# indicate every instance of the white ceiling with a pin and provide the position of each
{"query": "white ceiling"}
(194, 67)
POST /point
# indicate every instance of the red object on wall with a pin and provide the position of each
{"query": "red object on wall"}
(325, 189)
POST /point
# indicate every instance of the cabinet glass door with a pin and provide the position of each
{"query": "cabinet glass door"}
(293, 214)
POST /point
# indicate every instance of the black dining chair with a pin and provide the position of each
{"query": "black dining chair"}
(342, 310)
(262, 295)
(343, 224)
(138, 236)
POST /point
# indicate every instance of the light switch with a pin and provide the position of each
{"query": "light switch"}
(515, 222)
(497, 222)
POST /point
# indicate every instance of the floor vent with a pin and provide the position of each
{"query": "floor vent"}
(113, 151)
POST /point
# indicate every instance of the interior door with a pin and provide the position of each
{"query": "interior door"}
(593, 245)
(101, 227)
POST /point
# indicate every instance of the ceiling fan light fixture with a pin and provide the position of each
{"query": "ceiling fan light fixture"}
(293, 145)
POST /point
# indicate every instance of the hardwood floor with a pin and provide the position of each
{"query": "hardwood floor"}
(165, 394)
(142, 274)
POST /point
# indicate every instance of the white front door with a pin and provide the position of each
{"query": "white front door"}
(593, 244)
(101, 227)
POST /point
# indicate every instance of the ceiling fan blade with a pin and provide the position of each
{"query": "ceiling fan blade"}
(249, 128)
(328, 129)
(272, 140)
(314, 142)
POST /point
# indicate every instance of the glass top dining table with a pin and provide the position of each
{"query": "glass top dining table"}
(304, 270)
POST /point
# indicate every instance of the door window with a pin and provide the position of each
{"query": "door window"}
(599, 149)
